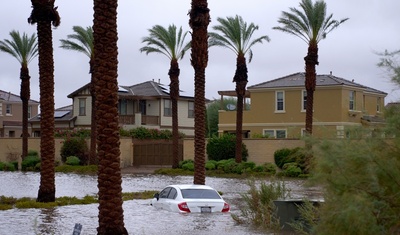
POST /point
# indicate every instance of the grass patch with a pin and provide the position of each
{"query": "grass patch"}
(7, 203)
(90, 169)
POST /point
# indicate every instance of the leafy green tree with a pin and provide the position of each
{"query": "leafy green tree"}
(170, 43)
(390, 61)
(82, 41)
(311, 24)
(105, 36)
(44, 14)
(24, 49)
(234, 33)
(199, 20)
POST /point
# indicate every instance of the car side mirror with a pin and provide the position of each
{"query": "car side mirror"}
(156, 195)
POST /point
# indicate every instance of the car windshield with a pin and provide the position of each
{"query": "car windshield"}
(200, 194)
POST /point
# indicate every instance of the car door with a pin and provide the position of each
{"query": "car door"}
(161, 203)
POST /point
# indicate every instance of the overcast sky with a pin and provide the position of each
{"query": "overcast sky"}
(348, 51)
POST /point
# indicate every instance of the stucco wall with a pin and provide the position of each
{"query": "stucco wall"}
(260, 150)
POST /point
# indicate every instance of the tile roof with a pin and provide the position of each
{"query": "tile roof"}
(8, 96)
(149, 88)
(298, 79)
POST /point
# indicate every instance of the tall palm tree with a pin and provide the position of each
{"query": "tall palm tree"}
(311, 24)
(24, 49)
(199, 21)
(234, 33)
(172, 44)
(105, 70)
(44, 14)
(82, 41)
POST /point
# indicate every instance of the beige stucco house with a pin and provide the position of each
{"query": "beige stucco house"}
(142, 105)
(11, 114)
(278, 108)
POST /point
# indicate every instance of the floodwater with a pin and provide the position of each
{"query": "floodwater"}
(139, 217)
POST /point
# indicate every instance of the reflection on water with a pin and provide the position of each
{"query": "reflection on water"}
(140, 217)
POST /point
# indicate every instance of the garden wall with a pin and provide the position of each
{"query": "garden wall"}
(260, 150)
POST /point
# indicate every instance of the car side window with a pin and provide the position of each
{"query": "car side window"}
(172, 194)
(164, 193)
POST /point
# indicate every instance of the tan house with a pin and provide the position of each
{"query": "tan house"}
(142, 105)
(278, 108)
(11, 114)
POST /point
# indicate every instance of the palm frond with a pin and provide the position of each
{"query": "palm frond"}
(23, 48)
(81, 41)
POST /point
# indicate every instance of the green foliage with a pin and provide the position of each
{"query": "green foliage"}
(220, 148)
(291, 169)
(188, 166)
(181, 163)
(210, 165)
(30, 163)
(89, 169)
(258, 206)
(281, 155)
(286, 155)
(361, 179)
(75, 146)
(73, 161)
(146, 133)
(7, 166)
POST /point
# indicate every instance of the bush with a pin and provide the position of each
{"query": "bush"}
(220, 148)
(188, 166)
(7, 166)
(181, 163)
(33, 153)
(72, 161)
(29, 163)
(286, 155)
(280, 156)
(145, 133)
(210, 166)
(75, 147)
(291, 169)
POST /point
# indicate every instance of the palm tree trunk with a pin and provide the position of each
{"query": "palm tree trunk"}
(310, 82)
(199, 20)
(47, 188)
(93, 133)
(111, 216)
(174, 94)
(25, 96)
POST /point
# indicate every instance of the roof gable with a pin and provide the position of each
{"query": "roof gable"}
(8, 96)
(298, 79)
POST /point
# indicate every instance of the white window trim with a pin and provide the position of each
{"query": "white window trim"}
(164, 107)
(302, 101)
(352, 100)
(276, 102)
(275, 130)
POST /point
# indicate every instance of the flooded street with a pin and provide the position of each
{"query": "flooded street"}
(139, 216)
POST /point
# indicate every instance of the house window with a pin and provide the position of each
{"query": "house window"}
(352, 100)
(122, 107)
(167, 108)
(378, 104)
(29, 111)
(11, 134)
(303, 100)
(82, 107)
(190, 109)
(280, 101)
(278, 134)
(8, 109)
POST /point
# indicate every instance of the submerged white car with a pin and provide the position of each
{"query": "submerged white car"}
(190, 198)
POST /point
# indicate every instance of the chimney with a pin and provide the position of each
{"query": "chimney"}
(331, 73)
(158, 81)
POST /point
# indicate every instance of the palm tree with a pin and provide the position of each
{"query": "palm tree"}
(236, 35)
(45, 14)
(312, 24)
(105, 70)
(24, 49)
(172, 44)
(199, 21)
(82, 41)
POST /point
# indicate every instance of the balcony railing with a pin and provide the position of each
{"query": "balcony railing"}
(150, 120)
(145, 119)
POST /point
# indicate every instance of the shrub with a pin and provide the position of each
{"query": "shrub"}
(75, 147)
(280, 156)
(188, 166)
(291, 169)
(33, 153)
(219, 148)
(210, 166)
(72, 161)
(181, 163)
(258, 206)
(29, 163)
(270, 168)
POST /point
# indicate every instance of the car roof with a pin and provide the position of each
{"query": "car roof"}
(190, 186)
